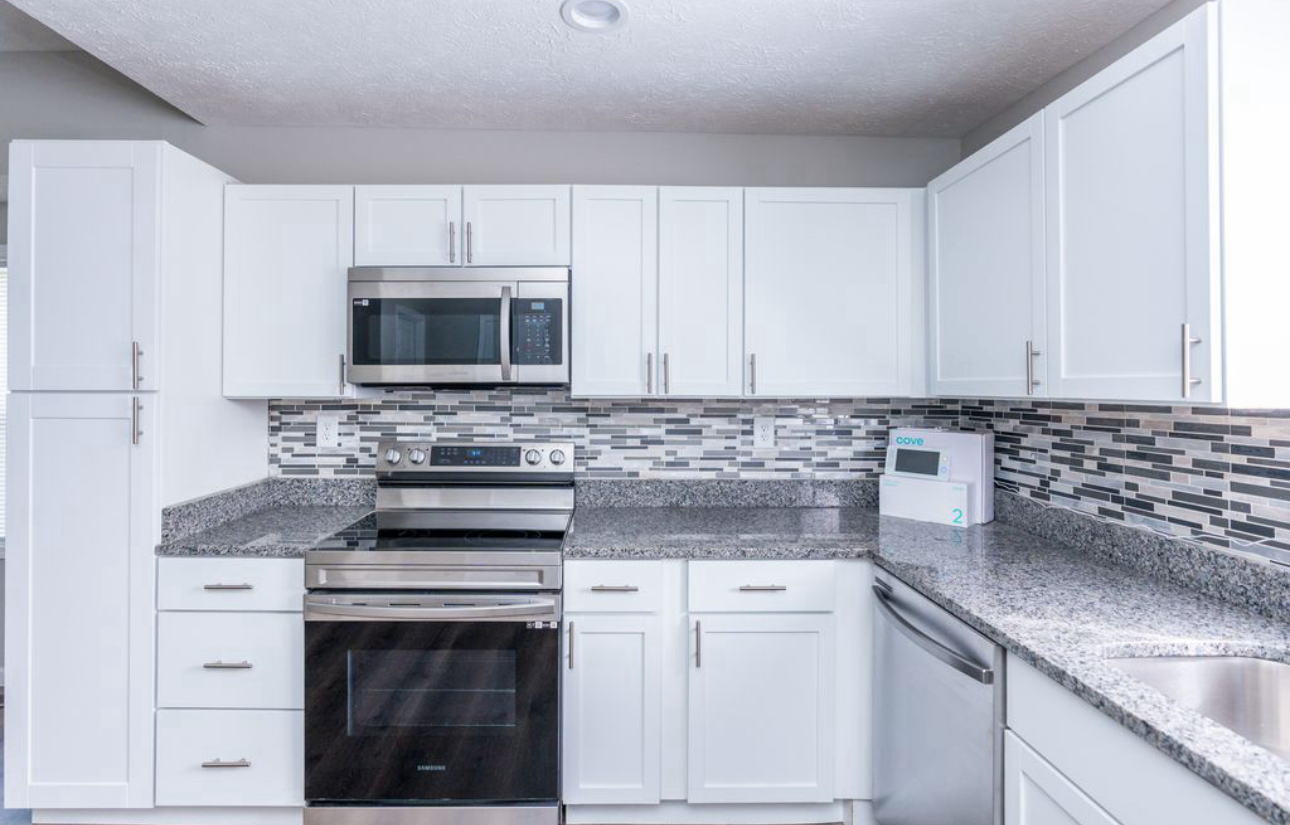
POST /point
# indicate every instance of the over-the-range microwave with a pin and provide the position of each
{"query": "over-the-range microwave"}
(451, 325)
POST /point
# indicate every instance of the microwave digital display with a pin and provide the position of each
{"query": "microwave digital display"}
(918, 462)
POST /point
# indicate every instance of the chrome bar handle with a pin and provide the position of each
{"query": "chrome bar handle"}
(649, 373)
(938, 651)
(1187, 343)
(218, 586)
(698, 643)
(135, 353)
(342, 374)
(762, 588)
(752, 374)
(614, 588)
(506, 332)
(1031, 355)
(136, 432)
(221, 665)
(667, 374)
(570, 645)
(218, 763)
(452, 242)
(470, 243)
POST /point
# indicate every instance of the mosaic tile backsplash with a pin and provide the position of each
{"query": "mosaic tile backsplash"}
(1219, 475)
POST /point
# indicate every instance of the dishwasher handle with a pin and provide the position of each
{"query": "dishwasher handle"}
(984, 675)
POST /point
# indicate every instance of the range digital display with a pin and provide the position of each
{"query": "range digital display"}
(919, 462)
(475, 456)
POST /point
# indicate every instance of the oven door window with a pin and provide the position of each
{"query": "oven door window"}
(426, 331)
(431, 712)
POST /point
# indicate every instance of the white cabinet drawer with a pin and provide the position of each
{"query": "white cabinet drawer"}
(230, 584)
(230, 660)
(613, 586)
(761, 586)
(268, 746)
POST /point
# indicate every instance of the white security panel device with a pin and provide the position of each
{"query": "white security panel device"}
(941, 457)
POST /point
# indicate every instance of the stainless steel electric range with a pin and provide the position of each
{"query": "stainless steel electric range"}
(432, 632)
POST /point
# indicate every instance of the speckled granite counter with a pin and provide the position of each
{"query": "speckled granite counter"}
(283, 531)
(1060, 609)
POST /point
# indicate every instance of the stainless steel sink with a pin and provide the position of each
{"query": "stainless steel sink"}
(1250, 696)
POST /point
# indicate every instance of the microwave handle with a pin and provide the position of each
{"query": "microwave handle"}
(506, 333)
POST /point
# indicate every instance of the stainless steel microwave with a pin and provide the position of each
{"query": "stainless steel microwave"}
(451, 325)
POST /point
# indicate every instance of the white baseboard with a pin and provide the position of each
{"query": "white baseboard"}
(683, 813)
(169, 816)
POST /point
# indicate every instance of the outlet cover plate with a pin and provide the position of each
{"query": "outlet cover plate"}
(763, 432)
(327, 431)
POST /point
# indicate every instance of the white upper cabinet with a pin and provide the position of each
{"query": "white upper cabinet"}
(516, 225)
(701, 291)
(407, 226)
(287, 252)
(829, 291)
(84, 252)
(615, 290)
(987, 312)
(80, 609)
(1133, 285)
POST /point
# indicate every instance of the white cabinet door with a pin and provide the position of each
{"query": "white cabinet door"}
(1130, 226)
(986, 269)
(79, 601)
(828, 294)
(612, 696)
(287, 252)
(615, 290)
(1035, 793)
(84, 247)
(701, 291)
(516, 225)
(761, 708)
(407, 225)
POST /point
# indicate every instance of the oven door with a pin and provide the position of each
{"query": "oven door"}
(431, 332)
(447, 699)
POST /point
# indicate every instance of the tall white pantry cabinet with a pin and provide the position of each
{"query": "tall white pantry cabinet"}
(116, 411)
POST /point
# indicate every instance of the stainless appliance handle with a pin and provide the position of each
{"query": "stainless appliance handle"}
(452, 242)
(1187, 343)
(761, 588)
(506, 332)
(614, 588)
(940, 652)
(228, 586)
(135, 353)
(342, 373)
(221, 665)
(217, 763)
(318, 611)
(649, 373)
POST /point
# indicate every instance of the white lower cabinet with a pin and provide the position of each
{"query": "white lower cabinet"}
(1037, 794)
(230, 660)
(612, 697)
(226, 757)
(761, 708)
(714, 684)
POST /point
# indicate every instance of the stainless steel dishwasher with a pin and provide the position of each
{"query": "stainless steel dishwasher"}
(938, 714)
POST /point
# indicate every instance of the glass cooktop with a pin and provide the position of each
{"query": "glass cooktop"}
(430, 533)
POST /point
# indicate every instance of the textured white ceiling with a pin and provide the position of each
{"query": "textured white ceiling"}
(876, 67)
(19, 33)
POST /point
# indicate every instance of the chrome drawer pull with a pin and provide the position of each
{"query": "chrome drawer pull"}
(228, 587)
(218, 763)
(761, 588)
(614, 588)
(218, 665)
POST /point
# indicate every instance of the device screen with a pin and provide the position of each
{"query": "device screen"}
(920, 462)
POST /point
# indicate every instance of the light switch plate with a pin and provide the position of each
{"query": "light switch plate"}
(327, 431)
(763, 432)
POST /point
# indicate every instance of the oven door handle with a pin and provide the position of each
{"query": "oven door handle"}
(323, 612)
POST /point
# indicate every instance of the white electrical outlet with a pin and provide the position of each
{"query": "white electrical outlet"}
(763, 432)
(327, 432)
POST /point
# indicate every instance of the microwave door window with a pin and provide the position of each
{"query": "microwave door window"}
(427, 331)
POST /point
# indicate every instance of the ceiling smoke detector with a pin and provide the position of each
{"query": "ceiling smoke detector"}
(594, 15)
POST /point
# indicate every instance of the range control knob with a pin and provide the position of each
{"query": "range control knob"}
(557, 457)
(417, 456)
(533, 457)
(393, 456)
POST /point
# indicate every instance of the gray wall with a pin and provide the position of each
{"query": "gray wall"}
(72, 95)
(1077, 74)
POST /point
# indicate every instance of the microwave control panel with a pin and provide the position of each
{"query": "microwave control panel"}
(537, 334)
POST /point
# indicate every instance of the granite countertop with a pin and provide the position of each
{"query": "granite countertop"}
(277, 532)
(1059, 609)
